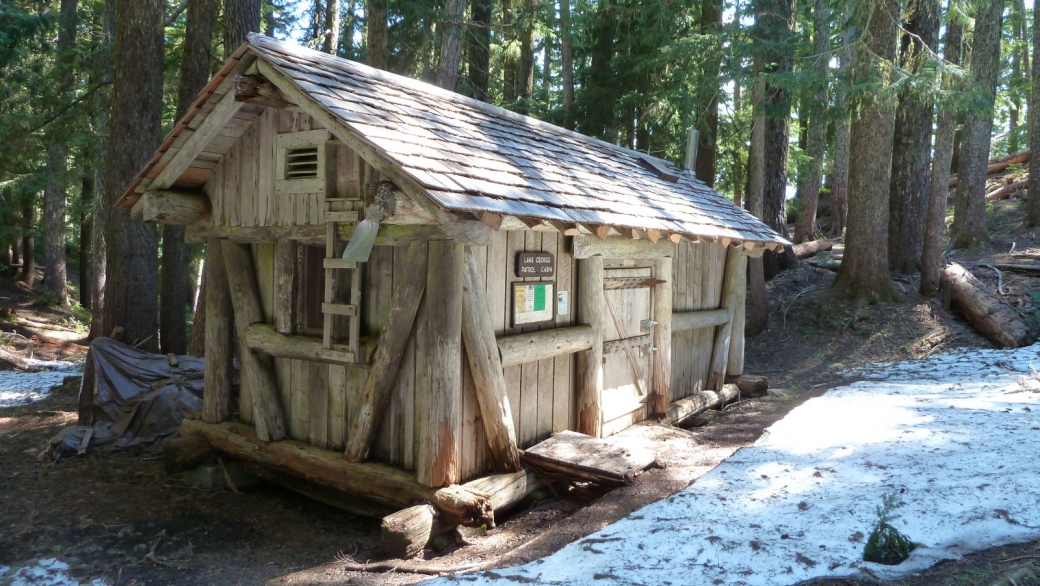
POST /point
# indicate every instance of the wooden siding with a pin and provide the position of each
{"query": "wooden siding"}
(697, 274)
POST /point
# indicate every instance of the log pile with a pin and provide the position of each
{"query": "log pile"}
(1000, 163)
(993, 319)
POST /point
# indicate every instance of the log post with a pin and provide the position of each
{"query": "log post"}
(404, 302)
(257, 370)
(732, 275)
(591, 312)
(996, 321)
(485, 363)
(661, 393)
(216, 394)
(440, 415)
(735, 365)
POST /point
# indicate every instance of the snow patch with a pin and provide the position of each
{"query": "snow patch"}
(21, 388)
(43, 572)
(955, 435)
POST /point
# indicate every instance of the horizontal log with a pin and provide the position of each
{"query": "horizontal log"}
(535, 346)
(389, 235)
(689, 320)
(187, 451)
(177, 208)
(393, 206)
(322, 494)
(750, 385)
(683, 409)
(807, 249)
(264, 339)
(406, 533)
(1007, 191)
(996, 321)
(619, 247)
(379, 483)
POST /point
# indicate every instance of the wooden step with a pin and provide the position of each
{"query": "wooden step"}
(338, 309)
(581, 457)
(339, 263)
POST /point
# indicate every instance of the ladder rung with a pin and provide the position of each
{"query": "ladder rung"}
(341, 216)
(338, 309)
(339, 263)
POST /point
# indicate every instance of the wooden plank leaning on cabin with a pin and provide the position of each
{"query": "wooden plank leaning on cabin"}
(376, 395)
(732, 290)
(256, 369)
(486, 366)
(591, 312)
(440, 422)
(661, 384)
(216, 397)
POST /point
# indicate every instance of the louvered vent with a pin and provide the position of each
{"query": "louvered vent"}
(301, 162)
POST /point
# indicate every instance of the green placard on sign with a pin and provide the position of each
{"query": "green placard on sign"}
(539, 297)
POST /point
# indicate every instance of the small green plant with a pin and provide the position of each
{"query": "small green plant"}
(886, 544)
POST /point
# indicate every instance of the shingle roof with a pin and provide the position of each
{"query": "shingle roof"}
(470, 156)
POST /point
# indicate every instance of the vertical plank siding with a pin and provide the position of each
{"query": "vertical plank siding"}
(697, 285)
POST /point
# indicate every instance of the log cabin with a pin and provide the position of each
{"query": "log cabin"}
(421, 285)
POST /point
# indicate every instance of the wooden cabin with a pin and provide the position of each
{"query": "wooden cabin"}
(523, 279)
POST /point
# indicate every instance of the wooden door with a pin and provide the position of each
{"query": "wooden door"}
(627, 360)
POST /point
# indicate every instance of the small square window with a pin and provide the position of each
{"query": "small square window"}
(301, 165)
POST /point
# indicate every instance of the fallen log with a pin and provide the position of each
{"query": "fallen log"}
(379, 483)
(1007, 191)
(406, 533)
(186, 451)
(808, 249)
(17, 362)
(993, 319)
(1000, 163)
(683, 409)
(750, 385)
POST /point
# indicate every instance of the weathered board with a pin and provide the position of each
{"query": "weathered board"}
(583, 457)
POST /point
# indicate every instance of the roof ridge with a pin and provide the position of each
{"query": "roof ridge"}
(257, 40)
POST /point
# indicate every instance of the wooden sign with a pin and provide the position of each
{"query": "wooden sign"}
(533, 303)
(541, 265)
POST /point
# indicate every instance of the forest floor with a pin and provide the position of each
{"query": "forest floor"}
(115, 517)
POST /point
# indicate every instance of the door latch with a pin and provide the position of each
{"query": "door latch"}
(646, 324)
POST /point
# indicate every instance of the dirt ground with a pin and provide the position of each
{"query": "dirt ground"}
(114, 515)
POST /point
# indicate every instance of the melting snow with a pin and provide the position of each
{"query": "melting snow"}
(21, 388)
(956, 435)
(43, 572)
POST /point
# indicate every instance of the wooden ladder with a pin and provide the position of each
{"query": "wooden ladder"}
(334, 267)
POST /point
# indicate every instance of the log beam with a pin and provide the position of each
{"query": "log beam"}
(186, 451)
(661, 393)
(379, 483)
(216, 394)
(545, 344)
(263, 338)
(684, 409)
(995, 320)
(440, 416)
(462, 232)
(485, 363)
(732, 280)
(404, 303)
(252, 89)
(257, 370)
(621, 247)
(689, 320)
(591, 312)
(177, 208)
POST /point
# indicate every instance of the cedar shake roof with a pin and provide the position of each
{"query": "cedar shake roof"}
(471, 157)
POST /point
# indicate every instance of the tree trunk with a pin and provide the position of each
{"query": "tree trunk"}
(525, 73)
(842, 136)
(28, 274)
(598, 96)
(479, 53)
(333, 22)
(451, 45)
(377, 34)
(969, 205)
(100, 106)
(912, 145)
(863, 275)
(935, 223)
(758, 300)
(241, 17)
(711, 25)
(774, 32)
(805, 228)
(1033, 204)
(54, 196)
(86, 238)
(567, 65)
(135, 128)
(1019, 65)
(176, 256)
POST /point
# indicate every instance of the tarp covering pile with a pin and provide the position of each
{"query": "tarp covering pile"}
(139, 398)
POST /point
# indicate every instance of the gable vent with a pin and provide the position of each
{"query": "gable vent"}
(301, 162)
